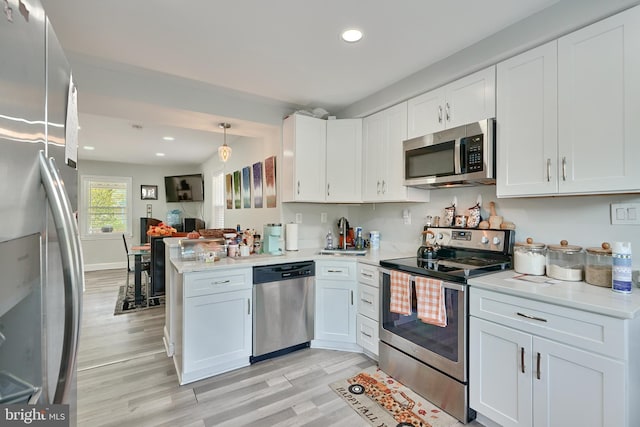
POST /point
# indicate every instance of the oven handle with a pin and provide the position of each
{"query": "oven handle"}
(445, 284)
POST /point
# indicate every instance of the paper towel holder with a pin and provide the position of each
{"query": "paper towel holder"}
(291, 237)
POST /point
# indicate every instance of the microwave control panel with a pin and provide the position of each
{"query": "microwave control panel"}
(473, 152)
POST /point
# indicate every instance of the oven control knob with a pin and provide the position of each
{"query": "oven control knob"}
(439, 236)
(484, 240)
(496, 240)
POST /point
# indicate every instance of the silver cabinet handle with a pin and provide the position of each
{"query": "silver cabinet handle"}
(370, 276)
(447, 111)
(248, 305)
(298, 187)
(522, 358)
(366, 301)
(384, 186)
(366, 334)
(538, 366)
(439, 113)
(221, 282)
(334, 271)
(548, 170)
(378, 187)
(564, 168)
(72, 271)
(351, 297)
(328, 189)
(528, 316)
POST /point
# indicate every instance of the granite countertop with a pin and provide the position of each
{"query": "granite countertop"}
(578, 295)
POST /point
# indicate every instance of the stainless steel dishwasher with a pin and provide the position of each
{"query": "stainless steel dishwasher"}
(283, 300)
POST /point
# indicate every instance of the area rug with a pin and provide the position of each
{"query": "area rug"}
(384, 402)
(125, 303)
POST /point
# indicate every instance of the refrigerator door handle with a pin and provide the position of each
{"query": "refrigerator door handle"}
(72, 271)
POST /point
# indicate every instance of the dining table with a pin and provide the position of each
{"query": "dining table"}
(139, 253)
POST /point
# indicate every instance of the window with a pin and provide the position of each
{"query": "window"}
(106, 206)
(218, 201)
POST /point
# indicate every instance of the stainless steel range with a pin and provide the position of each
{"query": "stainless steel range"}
(433, 360)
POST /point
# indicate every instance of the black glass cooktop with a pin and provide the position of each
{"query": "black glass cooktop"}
(452, 269)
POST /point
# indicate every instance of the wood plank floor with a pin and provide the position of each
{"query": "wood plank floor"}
(126, 379)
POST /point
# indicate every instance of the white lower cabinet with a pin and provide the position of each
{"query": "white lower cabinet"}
(335, 320)
(523, 373)
(215, 331)
(368, 309)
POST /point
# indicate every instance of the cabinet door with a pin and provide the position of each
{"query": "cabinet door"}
(527, 123)
(344, 160)
(367, 335)
(335, 311)
(217, 331)
(426, 113)
(372, 135)
(576, 388)
(471, 98)
(392, 161)
(368, 301)
(500, 367)
(304, 158)
(599, 106)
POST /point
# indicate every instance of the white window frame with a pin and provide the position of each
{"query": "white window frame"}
(218, 199)
(85, 181)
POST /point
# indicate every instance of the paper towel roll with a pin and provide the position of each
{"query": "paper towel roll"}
(291, 237)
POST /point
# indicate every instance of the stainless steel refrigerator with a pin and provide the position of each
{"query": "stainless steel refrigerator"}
(41, 273)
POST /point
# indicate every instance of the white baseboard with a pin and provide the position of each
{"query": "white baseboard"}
(105, 266)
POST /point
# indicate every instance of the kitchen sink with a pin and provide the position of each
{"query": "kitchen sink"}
(348, 251)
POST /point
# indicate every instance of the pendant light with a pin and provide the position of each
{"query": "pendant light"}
(224, 151)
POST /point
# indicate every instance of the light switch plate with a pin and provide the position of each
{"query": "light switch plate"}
(298, 218)
(625, 213)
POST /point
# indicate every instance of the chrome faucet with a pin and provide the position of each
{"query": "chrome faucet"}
(343, 225)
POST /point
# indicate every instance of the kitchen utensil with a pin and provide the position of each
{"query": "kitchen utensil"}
(494, 220)
(484, 225)
(474, 216)
(599, 266)
(565, 262)
(506, 225)
(449, 214)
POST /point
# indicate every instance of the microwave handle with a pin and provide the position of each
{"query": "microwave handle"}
(457, 157)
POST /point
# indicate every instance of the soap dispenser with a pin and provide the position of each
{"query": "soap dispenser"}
(329, 242)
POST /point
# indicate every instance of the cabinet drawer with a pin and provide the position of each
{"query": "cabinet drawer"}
(336, 270)
(590, 331)
(368, 301)
(212, 282)
(367, 336)
(368, 274)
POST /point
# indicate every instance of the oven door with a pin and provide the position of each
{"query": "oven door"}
(443, 348)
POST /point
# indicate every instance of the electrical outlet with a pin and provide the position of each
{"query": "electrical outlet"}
(298, 218)
(323, 218)
(625, 213)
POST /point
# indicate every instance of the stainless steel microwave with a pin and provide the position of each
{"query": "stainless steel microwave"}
(460, 156)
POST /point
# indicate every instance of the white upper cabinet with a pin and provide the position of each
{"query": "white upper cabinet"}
(567, 113)
(344, 160)
(527, 123)
(322, 160)
(469, 99)
(383, 173)
(304, 142)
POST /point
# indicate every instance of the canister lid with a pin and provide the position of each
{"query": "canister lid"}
(604, 249)
(530, 244)
(565, 247)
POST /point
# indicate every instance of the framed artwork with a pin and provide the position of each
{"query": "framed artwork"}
(149, 192)
(228, 190)
(246, 187)
(257, 185)
(236, 190)
(270, 181)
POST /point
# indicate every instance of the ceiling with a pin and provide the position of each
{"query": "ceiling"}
(287, 51)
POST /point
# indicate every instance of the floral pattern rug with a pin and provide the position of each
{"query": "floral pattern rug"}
(384, 402)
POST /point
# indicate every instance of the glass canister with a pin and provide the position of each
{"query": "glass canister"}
(529, 257)
(598, 267)
(565, 262)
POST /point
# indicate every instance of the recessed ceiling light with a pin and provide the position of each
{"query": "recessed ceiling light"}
(160, 154)
(351, 35)
(168, 138)
(88, 147)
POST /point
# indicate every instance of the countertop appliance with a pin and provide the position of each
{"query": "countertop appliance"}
(284, 304)
(40, 253)
(460, 156)
(271, 241)
(433, 360)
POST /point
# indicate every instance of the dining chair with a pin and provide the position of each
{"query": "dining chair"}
(145, 265)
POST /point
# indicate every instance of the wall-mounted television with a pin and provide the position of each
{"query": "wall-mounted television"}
(184, 188)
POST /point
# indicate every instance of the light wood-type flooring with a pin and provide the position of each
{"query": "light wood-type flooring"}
(126, 379)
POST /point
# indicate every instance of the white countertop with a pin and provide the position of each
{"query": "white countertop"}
(372, 257)
(579, 295)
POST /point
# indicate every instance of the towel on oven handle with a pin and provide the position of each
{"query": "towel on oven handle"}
(430, 301)
(400, 301)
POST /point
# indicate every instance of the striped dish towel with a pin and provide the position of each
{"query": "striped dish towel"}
(430, 298)
(400, 302)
